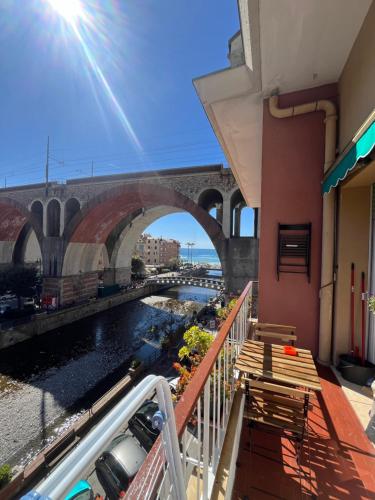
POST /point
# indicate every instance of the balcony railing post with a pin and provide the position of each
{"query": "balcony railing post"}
(218, 402)
(184, 454)
(170, 440)
(206, 437)
(213, 460)
(199, 449)
(223, 381)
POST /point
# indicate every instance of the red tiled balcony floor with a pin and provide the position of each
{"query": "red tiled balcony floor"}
(337, 460)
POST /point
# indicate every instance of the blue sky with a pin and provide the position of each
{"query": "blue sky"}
(113, 88)
(183, 227)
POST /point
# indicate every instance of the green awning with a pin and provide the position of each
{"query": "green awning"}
(359, 150)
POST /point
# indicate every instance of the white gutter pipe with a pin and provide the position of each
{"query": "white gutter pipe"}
(326, 282)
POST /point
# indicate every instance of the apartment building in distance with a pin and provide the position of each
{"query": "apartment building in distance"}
(157, 251)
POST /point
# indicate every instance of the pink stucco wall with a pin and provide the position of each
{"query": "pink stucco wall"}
(292, 170)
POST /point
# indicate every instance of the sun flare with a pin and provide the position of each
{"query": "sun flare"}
(70, 10)
(83, 23)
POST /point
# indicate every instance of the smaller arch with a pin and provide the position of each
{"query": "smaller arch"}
(239, 209)
(53, 218)
(211, 200)
(72, 207)
(37, 209)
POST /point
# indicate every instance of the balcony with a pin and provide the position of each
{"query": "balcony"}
(205, 452)
(337, 459)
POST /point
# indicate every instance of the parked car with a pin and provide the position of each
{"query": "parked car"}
(118, 464)
(81, 491)
(140, 424)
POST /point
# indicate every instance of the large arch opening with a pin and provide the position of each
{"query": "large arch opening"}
(16, 222)
(127, 241)
(131, 208)
(53, 218)
(27, 249)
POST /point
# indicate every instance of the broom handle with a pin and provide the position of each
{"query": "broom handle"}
(363, 317)
(352, 308)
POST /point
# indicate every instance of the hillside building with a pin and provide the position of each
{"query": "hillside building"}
(157, 251)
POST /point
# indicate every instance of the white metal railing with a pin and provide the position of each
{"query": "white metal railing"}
(75, 465)
(202, 416)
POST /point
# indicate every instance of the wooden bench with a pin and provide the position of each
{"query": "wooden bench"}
(264, 331)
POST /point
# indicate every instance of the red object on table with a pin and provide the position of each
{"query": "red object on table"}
(290, 350)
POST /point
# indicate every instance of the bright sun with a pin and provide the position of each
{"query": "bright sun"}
(70, 10)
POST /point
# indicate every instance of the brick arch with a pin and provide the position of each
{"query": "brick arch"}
(14, 218)
(90, 229)
(104, 212)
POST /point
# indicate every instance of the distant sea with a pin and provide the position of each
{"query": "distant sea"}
(201, 256)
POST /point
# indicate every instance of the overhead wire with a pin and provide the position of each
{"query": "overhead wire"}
(41, 154)
(156, 156)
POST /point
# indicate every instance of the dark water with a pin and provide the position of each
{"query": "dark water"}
(45, 383)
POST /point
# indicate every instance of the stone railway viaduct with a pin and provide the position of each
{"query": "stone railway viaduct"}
(87, 228)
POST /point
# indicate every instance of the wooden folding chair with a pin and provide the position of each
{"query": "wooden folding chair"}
(277, 408)
(267, 331)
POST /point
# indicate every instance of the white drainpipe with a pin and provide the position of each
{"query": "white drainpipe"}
(326, 282)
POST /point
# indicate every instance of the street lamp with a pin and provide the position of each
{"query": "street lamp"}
(190, 246)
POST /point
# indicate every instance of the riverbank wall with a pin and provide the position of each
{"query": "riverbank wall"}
(43, 323)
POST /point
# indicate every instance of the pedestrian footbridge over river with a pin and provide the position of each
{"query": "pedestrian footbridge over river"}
(212, 283)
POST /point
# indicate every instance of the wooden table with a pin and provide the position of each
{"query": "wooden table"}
(269, 362)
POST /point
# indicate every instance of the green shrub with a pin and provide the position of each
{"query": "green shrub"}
(223, 312)
(5, 475)
(196, 340)
(135, 363)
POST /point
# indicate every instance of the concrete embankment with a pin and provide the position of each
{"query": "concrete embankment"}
(43, 323)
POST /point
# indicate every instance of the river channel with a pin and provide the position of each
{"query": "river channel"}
(46, 383)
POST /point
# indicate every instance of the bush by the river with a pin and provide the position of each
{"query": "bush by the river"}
(5, 475)
(224, 312)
